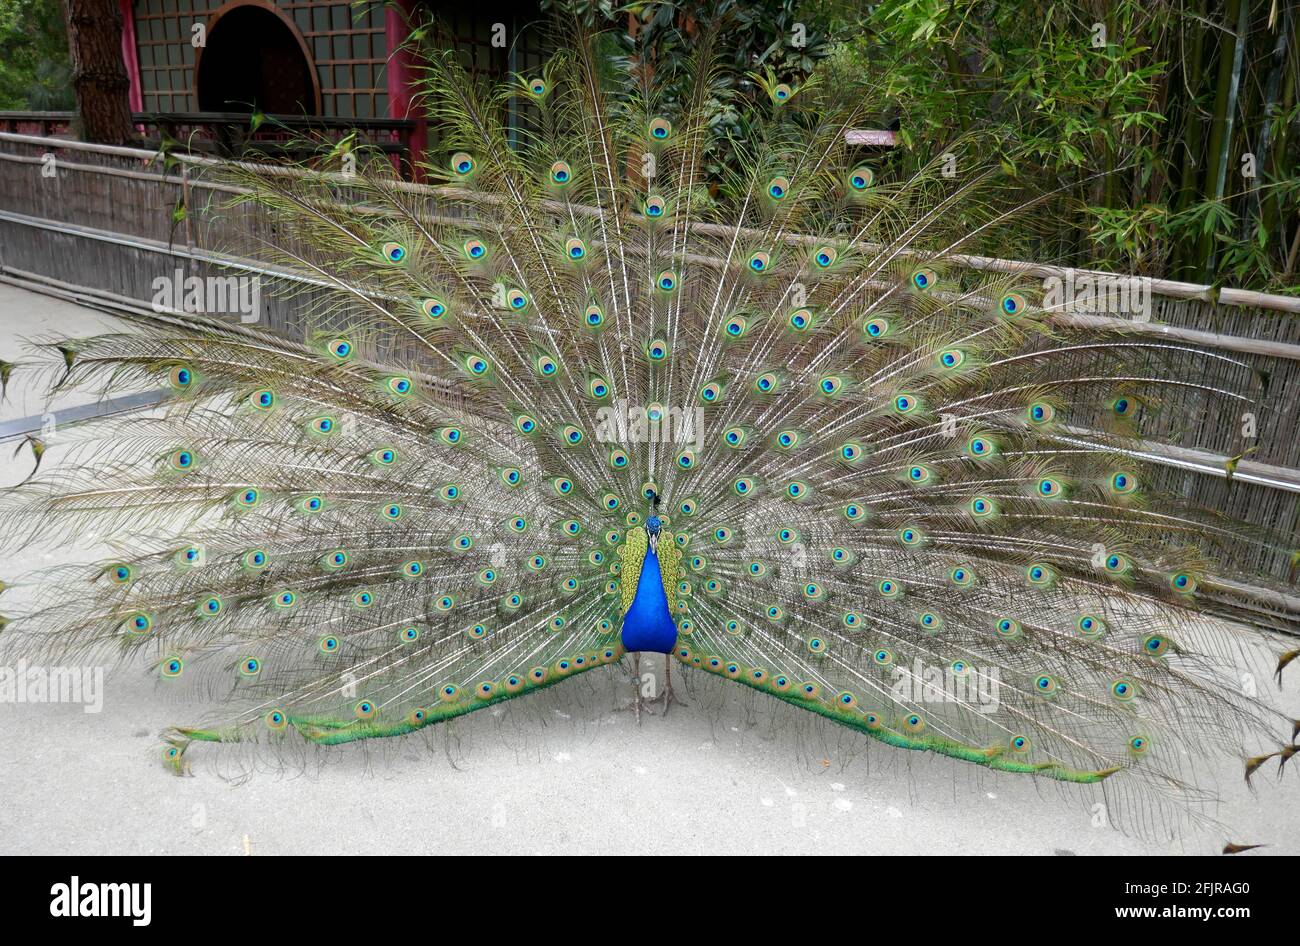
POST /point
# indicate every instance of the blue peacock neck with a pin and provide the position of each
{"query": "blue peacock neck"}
(648, 624)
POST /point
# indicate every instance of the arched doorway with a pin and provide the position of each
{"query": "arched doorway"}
(255, 57)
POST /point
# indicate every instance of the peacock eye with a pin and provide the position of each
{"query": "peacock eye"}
(825, 256)
(181, 460)
(1040, 413)
(462, 163)
(1155, 645)
(860, 178)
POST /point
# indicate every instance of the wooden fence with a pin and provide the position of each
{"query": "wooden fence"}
(99, 228)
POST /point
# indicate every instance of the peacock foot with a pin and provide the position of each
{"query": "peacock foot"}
(637, 706)
(667, 696)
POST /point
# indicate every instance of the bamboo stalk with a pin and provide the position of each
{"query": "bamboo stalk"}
(1232, 51)
(1273, 212)
(1191, 133)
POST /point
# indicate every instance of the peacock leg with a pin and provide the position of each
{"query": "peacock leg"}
(636, 705)
(667, 696)
(636, 687)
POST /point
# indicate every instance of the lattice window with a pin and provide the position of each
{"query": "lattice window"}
(348, 49)
(162, 33)
(471, 33)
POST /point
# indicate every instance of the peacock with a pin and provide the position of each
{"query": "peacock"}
(613, 382)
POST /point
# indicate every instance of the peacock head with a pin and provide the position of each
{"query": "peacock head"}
(653, 524)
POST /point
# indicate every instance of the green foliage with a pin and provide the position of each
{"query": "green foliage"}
(34, 74)
(786, 38)
(1119, 111)
(1116, 104)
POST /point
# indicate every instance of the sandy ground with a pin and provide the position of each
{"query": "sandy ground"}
(562, 771)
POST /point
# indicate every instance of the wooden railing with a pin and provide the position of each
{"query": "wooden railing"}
(232, 133)
(36, 123)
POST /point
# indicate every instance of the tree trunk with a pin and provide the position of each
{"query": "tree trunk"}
(98, 74)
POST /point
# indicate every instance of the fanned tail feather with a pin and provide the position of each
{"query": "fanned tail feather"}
(907, 496)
